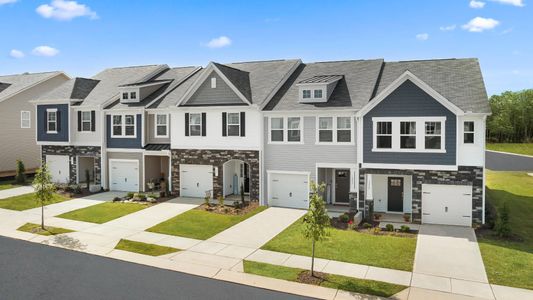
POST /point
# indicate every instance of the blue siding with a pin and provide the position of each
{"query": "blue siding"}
(408, 100)
(63, 130)
(134, 143)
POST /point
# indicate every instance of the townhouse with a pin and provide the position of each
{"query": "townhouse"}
(405, 139)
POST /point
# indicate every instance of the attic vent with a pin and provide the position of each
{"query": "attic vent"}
(214, 83)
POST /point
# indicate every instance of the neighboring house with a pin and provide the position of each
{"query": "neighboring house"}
(17, 117)
(70, 123)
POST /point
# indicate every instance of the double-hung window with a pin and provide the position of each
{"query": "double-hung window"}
(133, 95)
(317, 94)
(325, 129)
(117, 125)
(86, 121)
(306, 94)
(407, 135)
(294, 129)
(161, 125)
(123, 126)
(234, 124)
(384, 135)
(51, 121)
(276, 130)
(468, 132)
(286, 129)
(129, 125)
(25, 119)
(195, 124)
(125, 96)
(433, 137)
(344, 129)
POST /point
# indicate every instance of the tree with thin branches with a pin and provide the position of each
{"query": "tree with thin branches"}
(44, 188)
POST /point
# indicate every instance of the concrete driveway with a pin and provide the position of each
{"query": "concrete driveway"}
(501, 161)
(449, 251)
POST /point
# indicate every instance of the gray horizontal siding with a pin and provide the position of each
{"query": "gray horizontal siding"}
(409, 100)
(63, 126)
(221, 95)
(130, 143)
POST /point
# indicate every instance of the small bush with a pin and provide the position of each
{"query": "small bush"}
(20, 177)
(351, 225)
(367, 225)
(221, 200)
(503, 228)
(389, 227)
(140, 197)
(76, 189)
(207, 199)
(376, 230)
(344, 218)
(405, 228)
(237, 204)
(117, 199)
(130, 195)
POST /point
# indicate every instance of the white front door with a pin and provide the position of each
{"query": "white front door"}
(59, 168)
(288, 190)
(196, 180)
(124, 175)
(447, 204)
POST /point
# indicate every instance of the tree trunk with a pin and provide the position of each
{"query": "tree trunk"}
(313, 260)
(42, 215)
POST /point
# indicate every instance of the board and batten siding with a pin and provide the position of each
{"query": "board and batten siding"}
(62, 134)
(304, 157)
(408, 100)
(132, 143)
(221, 95)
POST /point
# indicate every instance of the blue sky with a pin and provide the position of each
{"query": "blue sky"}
(87, 36)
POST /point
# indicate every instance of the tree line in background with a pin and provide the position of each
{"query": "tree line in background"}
(512, 117)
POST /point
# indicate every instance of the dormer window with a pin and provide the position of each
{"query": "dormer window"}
(125, 96)
(317, 89)
(318, 94)
(306, 94)
(133, 95)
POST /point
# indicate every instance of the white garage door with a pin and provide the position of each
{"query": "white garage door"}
(59, 168)
(289, 190)
(447, 204)
(196, 180)
(124, 175)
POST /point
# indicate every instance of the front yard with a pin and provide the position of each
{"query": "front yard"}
(510, 262)
(8, 184)
(28, 201)
(349, 246)
(104, 212)
(201, 224)
(526, 149)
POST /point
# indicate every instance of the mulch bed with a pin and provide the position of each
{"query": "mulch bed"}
(229, 210)
(306, 277)
(337, 223)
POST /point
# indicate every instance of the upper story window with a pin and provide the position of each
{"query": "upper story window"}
(468, 132)
(234, 124)
(86, 121)
(276, 130)
(286, 129)
(344, 129)
(294, 131)
(325, 129)
(123, 126)
(335, 130)
(51, 120)
(384, 135)
(433, 138)
(317, 94)
(408, 135)
(195, 124)
(306, 94)
(25, 119)
(161, 125)
(133, 95)
(125, 96)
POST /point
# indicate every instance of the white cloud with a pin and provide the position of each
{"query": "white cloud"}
(45, 51)
(2, 2)
(479, 24)
(219, 42)
(16, 53)
(65, 10)
(477, 4)
(519, 3)
(448, 28)
(422, 36)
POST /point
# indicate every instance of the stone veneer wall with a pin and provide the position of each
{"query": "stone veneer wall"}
(463, 176)
(74, 151)
(216, 158)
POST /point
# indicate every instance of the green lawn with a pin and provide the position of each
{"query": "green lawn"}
(200, 224)
(36, 228)
(8, 184)
(144, 248)
(28, 201)
(349, 246)
(526, 148)
(362, 286)
(104, 212)
(510, 263)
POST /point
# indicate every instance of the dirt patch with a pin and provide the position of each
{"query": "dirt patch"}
(230, 210)
(306, 277)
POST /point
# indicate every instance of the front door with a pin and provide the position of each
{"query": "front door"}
(395, 194)
(342, 186)
(246, 170)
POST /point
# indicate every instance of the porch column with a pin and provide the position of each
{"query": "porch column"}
(369, 197)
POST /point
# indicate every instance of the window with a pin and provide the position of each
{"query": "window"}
(293, 127)
(468, 132)
(129, 127)
(117, 125)
(51, 121)
(344, 129)
(317, 93)
(276, 130)
(325, 129)
(123, 126)
(234, 124)
(161, 125)
(195, 124)
(433, 139)
(133, 95)
(125, 96)
(25, 119)
(306, 94)
(407, 135)
(214, 83)
(86, 121)
(384, 135)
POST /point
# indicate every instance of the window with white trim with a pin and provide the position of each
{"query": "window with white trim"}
(25, 119)
(234, 124)
(433, 135)
(325, 129)
(51, 121)
(195, 124)
(344, 129)
(123, 126)
(468, 132)
(384, 135)
(317, 94)
(408, 135)
(276, 130)
(133, 95)
(306, 94)
(86, 121)
(117, 126)
(125, 96)
(161, 125)
(129, 125)
(294, 132)
(213, 82)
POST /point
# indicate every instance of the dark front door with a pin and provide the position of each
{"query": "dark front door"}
(395, 194)
(246, 170)
(342, 186)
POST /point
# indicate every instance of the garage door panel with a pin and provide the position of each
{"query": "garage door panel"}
(447, 204)
(195, 180)
(289, 190)
(124, 176)
(59, 168)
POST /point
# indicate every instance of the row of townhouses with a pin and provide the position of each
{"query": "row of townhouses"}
(406, 136)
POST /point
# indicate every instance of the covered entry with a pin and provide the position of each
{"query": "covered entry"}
(340, 180)
(236, 176)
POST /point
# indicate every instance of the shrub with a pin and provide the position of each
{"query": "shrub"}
(406, 218)
(140, 196)
(503, 228)
(117, 199)
(351, 225)
(376, 230)
(153, 195)
(237, 204)
(221, 200)
(130, 195)
(389, 227)
(344, 218)
(77, 189)
(405, 228)
(207, 199)
(367, 225)
(20, 177)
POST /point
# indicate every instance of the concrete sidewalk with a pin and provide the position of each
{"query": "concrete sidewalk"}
(16, 192)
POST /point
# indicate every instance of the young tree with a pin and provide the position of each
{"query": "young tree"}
(44, 188)
(503, 228)
(316, 221)
(20, 177)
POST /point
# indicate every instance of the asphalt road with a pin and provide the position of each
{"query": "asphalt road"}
(507, 162)
(34, 271)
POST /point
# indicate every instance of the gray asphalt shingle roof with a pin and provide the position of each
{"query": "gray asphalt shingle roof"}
(12, 84)
(172, 98)
(326, 79)
(74, 89)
